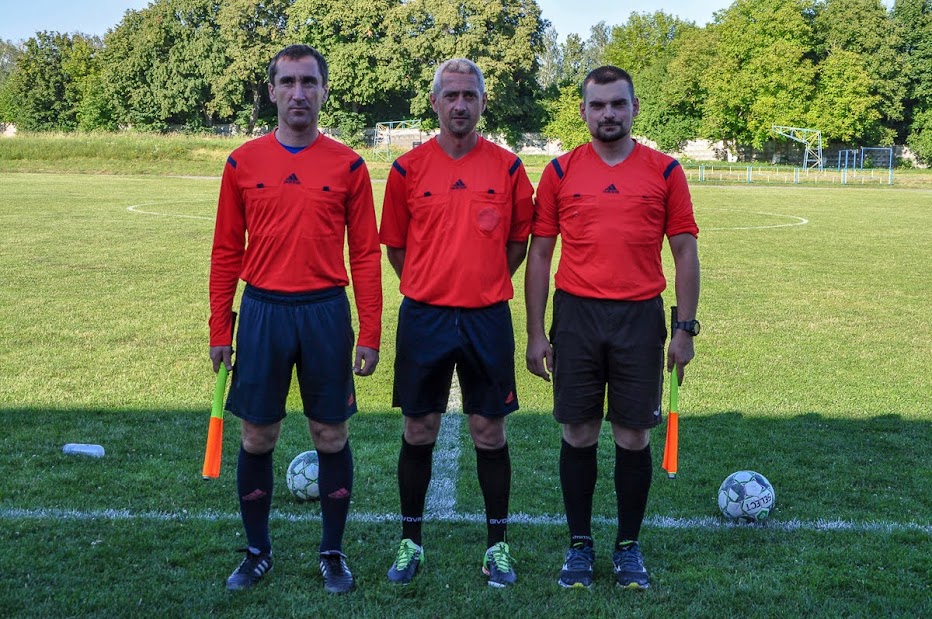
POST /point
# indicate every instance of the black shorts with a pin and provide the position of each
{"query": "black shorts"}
(280, 331)
(479, 343)
(618, 344)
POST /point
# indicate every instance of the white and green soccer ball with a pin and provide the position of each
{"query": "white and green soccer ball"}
(302, 476)
(746, 496)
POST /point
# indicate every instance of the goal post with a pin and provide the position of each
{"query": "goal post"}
(811, 139)
(877, 154)
(386, 133)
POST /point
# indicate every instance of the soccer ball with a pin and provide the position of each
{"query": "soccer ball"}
(746, 496)
(302, 476)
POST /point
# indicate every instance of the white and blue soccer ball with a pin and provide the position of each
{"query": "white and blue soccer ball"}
(302, 476)
(746, 496)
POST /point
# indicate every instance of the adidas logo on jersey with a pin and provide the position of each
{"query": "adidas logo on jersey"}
(292, 179)
(610, 189)
(459, 184)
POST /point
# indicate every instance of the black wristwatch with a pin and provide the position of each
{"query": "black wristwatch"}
(689, 326)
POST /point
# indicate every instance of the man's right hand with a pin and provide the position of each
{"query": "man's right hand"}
(221, 354)
(539, 356)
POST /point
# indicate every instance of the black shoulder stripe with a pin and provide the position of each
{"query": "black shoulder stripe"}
(231, 161)
(557, 168)
(514, 166)
(400, 169)
(356, 164)
(670, 168)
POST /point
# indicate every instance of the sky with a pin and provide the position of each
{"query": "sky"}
(23, 18)
(97, 16)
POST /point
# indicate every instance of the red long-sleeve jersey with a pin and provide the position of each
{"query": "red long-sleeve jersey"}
(295, 209)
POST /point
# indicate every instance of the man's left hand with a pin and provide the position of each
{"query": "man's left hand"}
(680, 352)
(366, 360)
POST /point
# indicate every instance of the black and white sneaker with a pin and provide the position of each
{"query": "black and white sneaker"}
(250, 571)
(337, 576)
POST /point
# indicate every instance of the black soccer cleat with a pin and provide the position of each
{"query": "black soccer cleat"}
(250, 571)
(337, 576)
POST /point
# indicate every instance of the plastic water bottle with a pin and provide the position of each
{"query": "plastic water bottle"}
(84, 449)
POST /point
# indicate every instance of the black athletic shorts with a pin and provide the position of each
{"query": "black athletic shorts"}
(479, 343)
(280, 331)
(600, 343)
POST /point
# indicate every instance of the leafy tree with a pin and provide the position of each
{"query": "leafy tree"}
(864, 27)
(581, 56)
(920, 138)
(160, 64)
(9, 53)
(365, 72)
(645, 46)
(844, 107)
(550, 59)
(577, 61)
(599, 37)
(504, 37)
(762, 74)
(252, 33)
(639, 42)
(84, 86)
(48, 82)
(566, 124)
(913, 22)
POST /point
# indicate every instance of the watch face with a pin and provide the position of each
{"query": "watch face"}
(689, 326)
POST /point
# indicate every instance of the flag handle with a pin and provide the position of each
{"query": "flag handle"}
(671, 447)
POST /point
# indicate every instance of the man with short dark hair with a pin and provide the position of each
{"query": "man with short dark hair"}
(456, 219)
(611, 201)
(295, 193)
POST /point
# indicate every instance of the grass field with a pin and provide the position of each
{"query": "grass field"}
(811, 368)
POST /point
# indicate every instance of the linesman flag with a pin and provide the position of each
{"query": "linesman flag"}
(671, 447)
(214, 450)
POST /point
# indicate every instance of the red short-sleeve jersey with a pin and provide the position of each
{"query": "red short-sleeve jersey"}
(296, 209)
(454, 219)
(612, 220)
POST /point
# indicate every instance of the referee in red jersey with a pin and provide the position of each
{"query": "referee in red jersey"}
(456, 219)
(611, 201)
(295, 194)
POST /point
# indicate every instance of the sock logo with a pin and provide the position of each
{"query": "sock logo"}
(342, 493)
(495, 521)
(581, 539)
(255, 495)
(412, 518)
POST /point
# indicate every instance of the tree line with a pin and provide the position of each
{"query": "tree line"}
(857, 71)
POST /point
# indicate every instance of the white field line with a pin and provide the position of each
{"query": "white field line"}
(656, 522)
(137, 208)
(441, 494)
(799, 221)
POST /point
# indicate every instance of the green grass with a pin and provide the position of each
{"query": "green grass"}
(810, 369)
(150, 154)
(204, 155)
